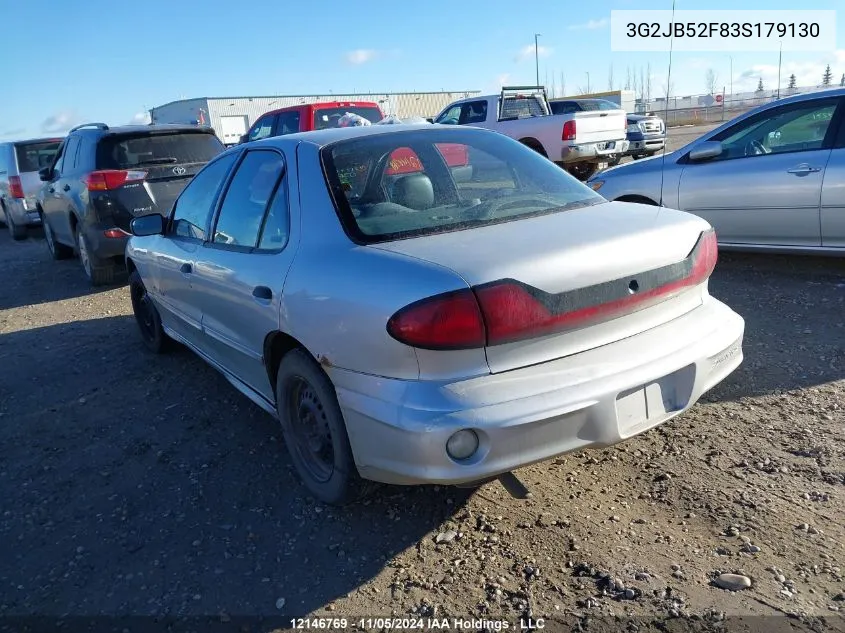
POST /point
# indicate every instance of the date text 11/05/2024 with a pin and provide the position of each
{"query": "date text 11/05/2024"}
(418, 623)
(723, 29)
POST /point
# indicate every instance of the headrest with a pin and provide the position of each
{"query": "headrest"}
(414, 191)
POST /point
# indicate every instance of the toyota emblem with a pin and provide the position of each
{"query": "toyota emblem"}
(179, 170)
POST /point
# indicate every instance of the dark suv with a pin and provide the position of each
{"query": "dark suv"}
(103, 177)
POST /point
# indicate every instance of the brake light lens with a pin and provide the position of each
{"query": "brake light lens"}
(15, 187)
(108, 179)
(447, 321)
(568, 131)
(506, 311)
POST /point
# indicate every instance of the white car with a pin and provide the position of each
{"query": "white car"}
(410, 326)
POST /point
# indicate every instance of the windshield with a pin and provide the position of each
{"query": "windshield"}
(325, 118)
(420, 182)
(128, 151)
(36, 156)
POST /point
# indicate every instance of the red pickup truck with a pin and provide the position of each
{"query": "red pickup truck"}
(320, 116)
(308, 117)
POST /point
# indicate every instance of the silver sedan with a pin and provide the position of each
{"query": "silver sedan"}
(770, 180)
(429, 304)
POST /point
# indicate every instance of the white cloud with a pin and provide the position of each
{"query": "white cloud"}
(590, 25)
(528, 52)
(361, 56)
(807, 73)
(60, 122)
(140, 118)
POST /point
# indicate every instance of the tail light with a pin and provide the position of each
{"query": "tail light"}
(15, 187)
(108, 179)
(568, 131)
(506, 311)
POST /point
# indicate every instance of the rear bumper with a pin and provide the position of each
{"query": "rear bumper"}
(105, 247)
(592, 151)
(398, 429)
(23, 212)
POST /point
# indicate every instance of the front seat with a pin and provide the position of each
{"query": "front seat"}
(414, 191)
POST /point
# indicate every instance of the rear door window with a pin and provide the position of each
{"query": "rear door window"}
(146, 150)
(36, 156)
(249, 193)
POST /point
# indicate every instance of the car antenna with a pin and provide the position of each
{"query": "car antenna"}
(666, 108)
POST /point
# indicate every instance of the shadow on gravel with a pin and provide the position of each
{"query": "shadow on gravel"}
(146, 485)
(27, 264)
(795, 332)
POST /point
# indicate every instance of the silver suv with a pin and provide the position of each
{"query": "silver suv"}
(20, 162)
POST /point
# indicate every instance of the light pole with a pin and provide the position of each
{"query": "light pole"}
(732, 75)
(588, 82)
(780, 59)
(537, 57)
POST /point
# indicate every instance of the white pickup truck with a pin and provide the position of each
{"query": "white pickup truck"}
(579, 142)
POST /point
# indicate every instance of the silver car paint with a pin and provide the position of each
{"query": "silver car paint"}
(400, 404)
(754, 203)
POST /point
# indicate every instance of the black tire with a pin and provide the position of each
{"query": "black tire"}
(532, 144)
(99, 273)
(17, 232)
(147, 317)
(57, 250)
(613, 162)
(583, 170)
(315, 432)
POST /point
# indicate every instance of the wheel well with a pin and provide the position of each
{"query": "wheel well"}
(130, 266)
(73, 222)
(276, 345)
(638, 199)
(534, 144)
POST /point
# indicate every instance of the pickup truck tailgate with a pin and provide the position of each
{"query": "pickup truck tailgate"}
(597, 126)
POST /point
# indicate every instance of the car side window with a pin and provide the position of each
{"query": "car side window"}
(263, 128)
(194, 206)
(247, 198)
(473, 112)
(276, 229)
(58, 164)
(287, 123)
(792, 128)
(450, 117)
(70, 155)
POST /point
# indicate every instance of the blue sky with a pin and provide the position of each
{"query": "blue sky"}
(110, 61)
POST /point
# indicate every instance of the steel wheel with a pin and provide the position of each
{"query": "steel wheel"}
(84, 257)
(312, 435)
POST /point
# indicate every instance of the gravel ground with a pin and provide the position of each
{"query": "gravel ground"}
(142, 485)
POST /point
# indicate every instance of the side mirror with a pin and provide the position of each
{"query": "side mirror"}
(45, 174)
(150, 224)
(430, 119)
(244, 138)
(706, 151)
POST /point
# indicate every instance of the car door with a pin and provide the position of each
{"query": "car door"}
(765, 187)
(51, 198)
(833, 194)
(171, 282)
(241, 270)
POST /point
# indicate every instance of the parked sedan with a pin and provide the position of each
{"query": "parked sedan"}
(770, 180)
(411, 327)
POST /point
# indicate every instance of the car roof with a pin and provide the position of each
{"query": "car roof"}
(323, 105)
(321, 138)
(42, 139)
(158, 127)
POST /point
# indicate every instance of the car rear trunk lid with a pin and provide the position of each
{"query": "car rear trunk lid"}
(580, 259)
(599, 125)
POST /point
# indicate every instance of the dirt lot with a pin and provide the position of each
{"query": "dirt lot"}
(142, 485)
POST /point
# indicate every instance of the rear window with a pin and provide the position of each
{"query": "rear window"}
(522, 108)
(598, 104)
(128, 151)
(411, 183)
(36, 156)
(325, 118)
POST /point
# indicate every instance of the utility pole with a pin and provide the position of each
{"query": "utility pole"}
(732, 75)
(780, 59)
(588, 82)
(537, 57)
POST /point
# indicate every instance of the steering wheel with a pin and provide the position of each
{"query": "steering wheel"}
(489, 207)
(755, 148)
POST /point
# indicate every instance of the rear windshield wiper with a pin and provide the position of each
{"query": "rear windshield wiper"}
(159, 161)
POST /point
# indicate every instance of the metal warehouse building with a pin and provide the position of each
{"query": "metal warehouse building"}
(232, 116)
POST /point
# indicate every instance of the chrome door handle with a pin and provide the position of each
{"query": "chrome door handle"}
(801, 170)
